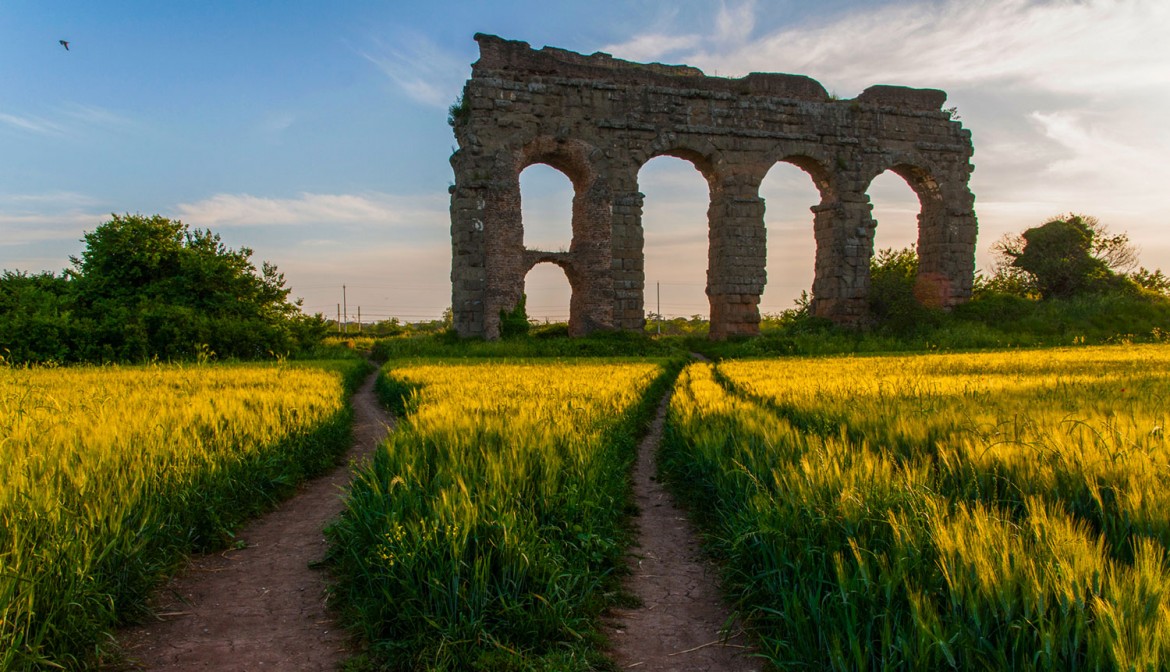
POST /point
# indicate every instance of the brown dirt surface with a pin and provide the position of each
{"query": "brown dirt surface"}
(680, 625)
(262, 607)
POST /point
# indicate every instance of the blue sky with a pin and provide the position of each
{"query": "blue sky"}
(315, 132)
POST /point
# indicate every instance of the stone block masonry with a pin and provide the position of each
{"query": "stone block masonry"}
(598, 119)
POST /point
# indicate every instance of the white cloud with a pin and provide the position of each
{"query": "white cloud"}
(1087, 47)
(652, 47)
(277, 122)
(425, 72)
(69, 120)
(39, 218)
(32, 124)
(1064, 97)
(228, 210)
(734, 24)
(1091, 143)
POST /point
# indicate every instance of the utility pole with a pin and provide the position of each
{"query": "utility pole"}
(359, 319)
(658, 294)
(344, 309)
(339, 318)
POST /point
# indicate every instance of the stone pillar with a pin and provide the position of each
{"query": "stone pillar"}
(468, 261)
(592, 304)
(946, 248)
(503, 245)
(737, 257)
(627, 258)
(844, 233)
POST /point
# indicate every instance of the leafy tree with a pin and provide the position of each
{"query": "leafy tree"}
(35, 317)
(1154, 281)
(1068, 255)
(1059, 255)
(152, 287)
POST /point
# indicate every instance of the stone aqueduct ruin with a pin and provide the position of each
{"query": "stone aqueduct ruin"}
(598, 120)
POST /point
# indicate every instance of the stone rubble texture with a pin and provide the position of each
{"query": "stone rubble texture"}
(598, 120)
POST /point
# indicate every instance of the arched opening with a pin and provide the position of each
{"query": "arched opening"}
(908, 215)
(675, 200)
(547, 294)
(546, 208)
(546, 215)
(789, 193)
(896, 207)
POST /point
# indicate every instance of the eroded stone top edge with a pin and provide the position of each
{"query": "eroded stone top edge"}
(498, 55)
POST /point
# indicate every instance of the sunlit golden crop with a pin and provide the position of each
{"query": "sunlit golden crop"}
(495, 514)
(994, 510)
(108, 474)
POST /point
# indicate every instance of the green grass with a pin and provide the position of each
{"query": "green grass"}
(553, 343)
(110, 476)
(979, 511)
(489, 531)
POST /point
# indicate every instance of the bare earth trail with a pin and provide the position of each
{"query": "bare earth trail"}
(261, 607)
(679, 625)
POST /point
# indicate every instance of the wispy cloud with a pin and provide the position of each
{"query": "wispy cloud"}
(1066, 46)
(652, 46)
(277, 122)
(424, 71)
(734, 24)
(69, 120)
(32, 124)
(229, 210)
(1063, 96)
(40, 218)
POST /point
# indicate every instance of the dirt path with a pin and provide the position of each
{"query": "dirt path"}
(261, 607)
(679, 625)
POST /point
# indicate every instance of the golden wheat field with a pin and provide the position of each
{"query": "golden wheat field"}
(488, 532)
(965, 511)
(109, 475)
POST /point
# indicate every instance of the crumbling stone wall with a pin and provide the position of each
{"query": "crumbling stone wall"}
(598, 120)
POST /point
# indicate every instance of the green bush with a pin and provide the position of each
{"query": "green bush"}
(515, 322)
(150, 287)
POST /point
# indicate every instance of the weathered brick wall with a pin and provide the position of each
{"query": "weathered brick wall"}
(598, 120)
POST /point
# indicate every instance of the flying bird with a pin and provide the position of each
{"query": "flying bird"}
(65, 44)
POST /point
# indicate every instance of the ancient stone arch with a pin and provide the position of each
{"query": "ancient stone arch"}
(598, 120)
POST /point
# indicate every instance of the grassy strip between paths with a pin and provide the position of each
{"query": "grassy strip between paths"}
(110, 476)
(488, 532)
(988, 511)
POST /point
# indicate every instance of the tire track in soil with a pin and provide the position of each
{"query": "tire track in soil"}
(680, 623)
(262, 607)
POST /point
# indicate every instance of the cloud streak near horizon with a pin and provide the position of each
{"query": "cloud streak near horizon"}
(232, 210)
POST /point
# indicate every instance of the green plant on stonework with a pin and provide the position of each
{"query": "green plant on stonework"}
(459, 111)
(515, 322)
(894, 305)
